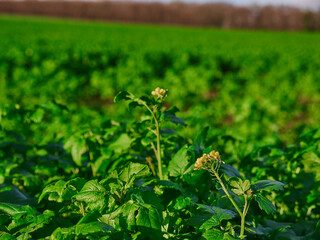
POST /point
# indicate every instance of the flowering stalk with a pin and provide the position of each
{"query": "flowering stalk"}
(211, 162)
(160, 95)
(154, 107)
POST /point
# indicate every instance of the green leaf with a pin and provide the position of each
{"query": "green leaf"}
(318, 226)
(218, 215)
(7, 236)
(182, 202)
(121, 144)
(133, 105)
(11, 210)
(230, 171)
(148, 216)
(146, 100)
(61, 190)
(311, 163)
(54, 191)
(264, 203)
(170, 115)
(128, 211)
(268, 185)
(24, 236)
(197, 220)
(53, 106)
(32, 222)
(93, 194)
(199, 142)
(38, 115)
(90, 217)
(77, 146)
(14, 195)
(133, 171)
(240, 186)
(178, 164)
(92, 227)
(63, 234)
(122, 95)
(213, 234)
(3, 219)
(76, 184)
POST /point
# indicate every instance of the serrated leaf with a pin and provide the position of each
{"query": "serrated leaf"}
(122, 95)
(178, 164)
(133, 105)
(26, 219)
(213, 234)
(218, 215)
(170, 115)
(76, 184)
(268, 185)
(240, 186)
(133, 171)
(128, 211)
(230, 171)
(93, 194)
(54, 190)
(265, 204)
(61, 190)
(146, 100)
(31, 224)
(149, 217)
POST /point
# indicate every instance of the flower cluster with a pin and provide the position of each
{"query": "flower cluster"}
(208, 161)
(160, 93)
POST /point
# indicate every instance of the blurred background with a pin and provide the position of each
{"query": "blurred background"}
(256, 14)
(248, 69)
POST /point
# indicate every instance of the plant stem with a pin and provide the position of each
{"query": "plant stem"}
(245, 210)
(227, 193)
(158, 151)
(244, 215)
(149, 161)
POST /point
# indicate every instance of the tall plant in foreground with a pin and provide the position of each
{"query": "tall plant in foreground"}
(154, 106)
(241, 189)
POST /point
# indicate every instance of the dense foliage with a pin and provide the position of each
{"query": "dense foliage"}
(75, 165)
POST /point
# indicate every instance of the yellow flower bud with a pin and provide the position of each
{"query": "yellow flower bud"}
(159, 93)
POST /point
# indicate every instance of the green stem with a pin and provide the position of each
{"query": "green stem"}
(158, 152)
(159, 149)
(227, 193)
(243, 216)
(245, 208)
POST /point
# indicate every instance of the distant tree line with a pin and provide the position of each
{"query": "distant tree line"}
(214, 14)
